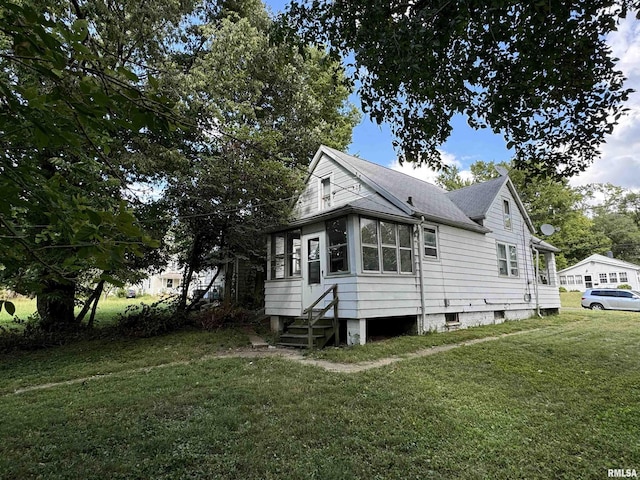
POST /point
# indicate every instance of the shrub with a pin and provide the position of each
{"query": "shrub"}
(625, 286)
(562, 290)
(147, 320)
(219, 316)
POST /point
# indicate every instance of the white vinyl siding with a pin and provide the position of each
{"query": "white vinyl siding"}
(345, 188)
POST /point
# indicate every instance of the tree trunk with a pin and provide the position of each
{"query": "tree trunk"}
(55, 306)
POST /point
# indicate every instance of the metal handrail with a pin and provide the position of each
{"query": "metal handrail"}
(313, 320)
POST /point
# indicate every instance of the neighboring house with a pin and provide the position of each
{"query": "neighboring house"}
(399, 248)
(169, 281)
(600, 271)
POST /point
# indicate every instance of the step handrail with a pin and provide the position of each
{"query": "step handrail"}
(312, 320)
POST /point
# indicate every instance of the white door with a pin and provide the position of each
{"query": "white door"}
(313, 268)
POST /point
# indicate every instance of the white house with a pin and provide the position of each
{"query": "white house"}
(600, 271)
(398, 248)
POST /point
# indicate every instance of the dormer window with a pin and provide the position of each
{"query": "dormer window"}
(325, 193)
(506, 211)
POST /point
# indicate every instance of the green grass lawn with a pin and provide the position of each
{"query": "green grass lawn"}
(562, 401)
(106, 313)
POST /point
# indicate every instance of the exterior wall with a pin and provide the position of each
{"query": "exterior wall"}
(345, 188)
(595, 268)
(283, 297)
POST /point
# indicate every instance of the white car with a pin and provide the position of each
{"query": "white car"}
(611, 299)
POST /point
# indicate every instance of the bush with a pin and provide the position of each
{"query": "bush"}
(219, 316)
(147, 320)
(625, 286)
(562, 290)
(28, 334)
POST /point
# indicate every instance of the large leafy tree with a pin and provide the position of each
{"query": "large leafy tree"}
(540, 73)
(72, 112)
(261, 110)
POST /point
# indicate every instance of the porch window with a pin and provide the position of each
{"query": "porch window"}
(613, 278)
(386, 246)
(578, 279)
(338, 247)
(570, 280)
(623, 277)
(285, 254)
(563, 280)
(507, 260)
(603, 277)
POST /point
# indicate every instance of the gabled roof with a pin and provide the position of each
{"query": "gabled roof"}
(427, 200)
(475, 200)
(614, 262)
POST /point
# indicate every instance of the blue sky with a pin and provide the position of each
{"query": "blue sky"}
(619, 162)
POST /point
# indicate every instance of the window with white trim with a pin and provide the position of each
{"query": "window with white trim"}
(578, 279)
(571, 280)
(325, 193)
(285, 254)
(386, 246)
(603, 277)
(507, 260)
(613, 278)
(563, 280)
(338, 251)
(506, 212)
(430, 242)
(623, 277)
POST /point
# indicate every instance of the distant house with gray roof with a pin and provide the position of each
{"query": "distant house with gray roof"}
(402, 252)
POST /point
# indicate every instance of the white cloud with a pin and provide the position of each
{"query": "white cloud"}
(428, 174)
(619, 162)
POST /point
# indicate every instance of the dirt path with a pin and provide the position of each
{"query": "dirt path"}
(288, 354)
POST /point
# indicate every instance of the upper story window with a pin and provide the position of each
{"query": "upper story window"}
(386, 246)
(285, 254)
(506, 212)
(430, 242)
(325, 193)
(508, 260)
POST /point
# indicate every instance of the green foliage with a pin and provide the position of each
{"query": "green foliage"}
(72, 108)
(539, 73)
(9, 307)
(625, 286)
(562, 290)
(148, 320)
(263, 109)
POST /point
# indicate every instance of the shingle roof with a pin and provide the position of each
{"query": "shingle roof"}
(602, 259)
(476, 199)
(426, 199)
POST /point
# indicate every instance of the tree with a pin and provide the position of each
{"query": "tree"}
(539, 73)
(262, 110)
(71, 106)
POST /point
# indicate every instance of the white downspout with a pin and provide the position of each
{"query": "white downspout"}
(423, 317)
(535, 281)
